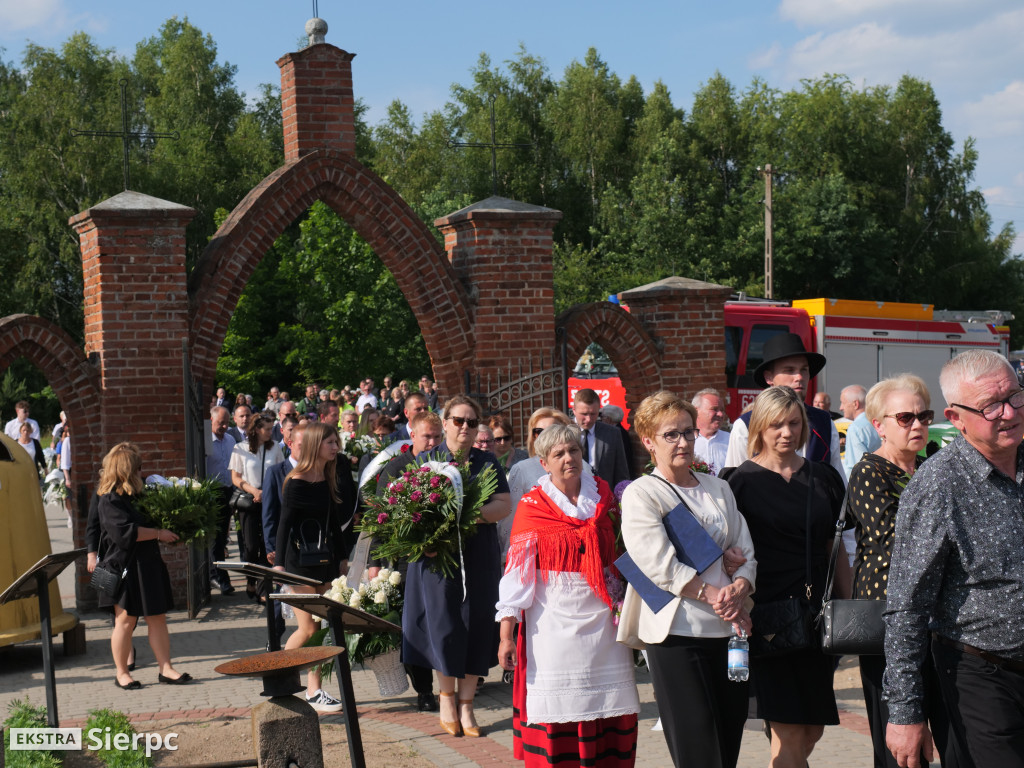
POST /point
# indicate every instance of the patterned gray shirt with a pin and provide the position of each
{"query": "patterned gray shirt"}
(957, 562)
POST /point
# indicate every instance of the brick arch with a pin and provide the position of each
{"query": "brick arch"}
(63, 363)
(373, 209)
(622, 337)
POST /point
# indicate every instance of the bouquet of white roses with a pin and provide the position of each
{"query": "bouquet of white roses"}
(380, 597)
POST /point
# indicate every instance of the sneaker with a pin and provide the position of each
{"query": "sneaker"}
(322, 701)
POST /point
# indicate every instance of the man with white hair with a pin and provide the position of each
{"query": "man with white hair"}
(956, 583)
(712, 444)
(861, 435)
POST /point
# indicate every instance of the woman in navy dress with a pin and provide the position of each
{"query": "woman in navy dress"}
(442, 629)
(127, 541)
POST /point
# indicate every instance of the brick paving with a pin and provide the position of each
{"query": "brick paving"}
(231, 627)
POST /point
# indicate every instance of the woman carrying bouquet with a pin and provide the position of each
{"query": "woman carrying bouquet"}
(442, 628)
(574, 693)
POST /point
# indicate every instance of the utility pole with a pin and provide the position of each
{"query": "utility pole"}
(768, 231)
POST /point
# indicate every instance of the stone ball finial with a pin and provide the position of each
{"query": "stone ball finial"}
(317, 31)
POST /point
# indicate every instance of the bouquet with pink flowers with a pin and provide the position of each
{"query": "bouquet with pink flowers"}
(428, 511)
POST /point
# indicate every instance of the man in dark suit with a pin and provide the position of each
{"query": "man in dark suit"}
(414, 403)
(243, 415)
(602, 445)
(273, 483)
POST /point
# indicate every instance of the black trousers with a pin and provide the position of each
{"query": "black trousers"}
(985, 705)
(219, 548)
(702, 711)
(250, 543)
(871, 670)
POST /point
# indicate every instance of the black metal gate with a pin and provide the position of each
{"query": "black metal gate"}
(520, 389)
(198, 583)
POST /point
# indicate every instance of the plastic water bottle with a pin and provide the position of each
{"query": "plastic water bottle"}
(739, 657)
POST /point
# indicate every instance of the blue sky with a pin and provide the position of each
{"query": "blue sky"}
(972, 51)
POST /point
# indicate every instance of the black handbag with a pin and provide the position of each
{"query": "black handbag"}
(316, 551)
(240, 500)
(786, 626)
(849, 627)
(108, 581)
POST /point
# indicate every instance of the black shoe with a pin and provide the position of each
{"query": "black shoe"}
(134, 685)
(426, 702)
(131, 667)
(185, 677)
(225, 587)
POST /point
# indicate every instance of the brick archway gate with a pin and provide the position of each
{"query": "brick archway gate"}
(404, 244)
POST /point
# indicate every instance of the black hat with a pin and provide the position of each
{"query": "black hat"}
(786, 345)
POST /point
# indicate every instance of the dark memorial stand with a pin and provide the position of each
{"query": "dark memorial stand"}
(342, 618)
(268, 576)
(36, 581)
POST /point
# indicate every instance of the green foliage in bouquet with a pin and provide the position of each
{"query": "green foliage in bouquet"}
(419, 512)
(187, 506)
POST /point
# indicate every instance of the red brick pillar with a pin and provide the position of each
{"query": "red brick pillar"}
(686, 320)
(136, 316)
(501, 250)
(317, 103)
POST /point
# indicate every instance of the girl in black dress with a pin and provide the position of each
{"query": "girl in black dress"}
(126, 542)
(310, 511)
(794, 692)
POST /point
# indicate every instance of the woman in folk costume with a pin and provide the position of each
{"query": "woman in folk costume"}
(574, 691)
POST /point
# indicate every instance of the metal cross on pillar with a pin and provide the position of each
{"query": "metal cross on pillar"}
(124, 134)
(493, 145)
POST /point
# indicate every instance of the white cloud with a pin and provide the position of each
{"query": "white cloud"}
(996, 114)
(19, 15)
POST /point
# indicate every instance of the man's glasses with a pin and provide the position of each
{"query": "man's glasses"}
(906, 418)
(502, 439)
(459, 421)
(484, 441)
(994, 411)
(689, 435)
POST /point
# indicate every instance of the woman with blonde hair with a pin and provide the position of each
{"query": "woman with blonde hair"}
(702, 710)
(309, 535)
(126, 542)
(791, 506)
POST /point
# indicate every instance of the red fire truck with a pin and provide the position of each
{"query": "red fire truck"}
(864, 341)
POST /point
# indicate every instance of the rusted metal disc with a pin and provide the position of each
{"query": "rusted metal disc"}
(276, 662)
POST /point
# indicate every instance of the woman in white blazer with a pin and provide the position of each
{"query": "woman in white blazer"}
(701, 710)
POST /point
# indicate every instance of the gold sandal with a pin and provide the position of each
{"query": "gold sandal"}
(453, 728)
(468, 730)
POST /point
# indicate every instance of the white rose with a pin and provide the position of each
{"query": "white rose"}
(380, 598)
(340, 583)
(355, 600)
(382, 574)
(395, 579)
(363, 589)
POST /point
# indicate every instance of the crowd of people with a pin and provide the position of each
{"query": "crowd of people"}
(540, 591)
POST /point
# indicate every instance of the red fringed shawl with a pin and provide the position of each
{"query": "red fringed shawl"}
(564, 543)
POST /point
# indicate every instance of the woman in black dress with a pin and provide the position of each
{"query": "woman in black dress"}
(794, 692)
(126, 542)
(310, 513)
(441, 629)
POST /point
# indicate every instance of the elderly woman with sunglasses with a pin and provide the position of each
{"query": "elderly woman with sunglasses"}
(899, 409)
(442, 628)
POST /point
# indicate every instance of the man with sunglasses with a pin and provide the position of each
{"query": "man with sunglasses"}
(956, 583)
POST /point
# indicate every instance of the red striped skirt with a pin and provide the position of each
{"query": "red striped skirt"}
(609, 742)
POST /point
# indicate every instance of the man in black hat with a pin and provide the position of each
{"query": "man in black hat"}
(787, 363)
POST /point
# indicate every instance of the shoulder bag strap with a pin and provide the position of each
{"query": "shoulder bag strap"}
(810, 497)
(678, 496)
(837, 548)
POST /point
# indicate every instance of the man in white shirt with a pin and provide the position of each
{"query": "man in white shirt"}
(712, 444)
(14, 425)
(787, 363)
(367, 398)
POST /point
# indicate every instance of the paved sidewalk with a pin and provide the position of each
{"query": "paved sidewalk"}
(231, 627)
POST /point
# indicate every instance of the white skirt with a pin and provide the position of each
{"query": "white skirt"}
(575, 669)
